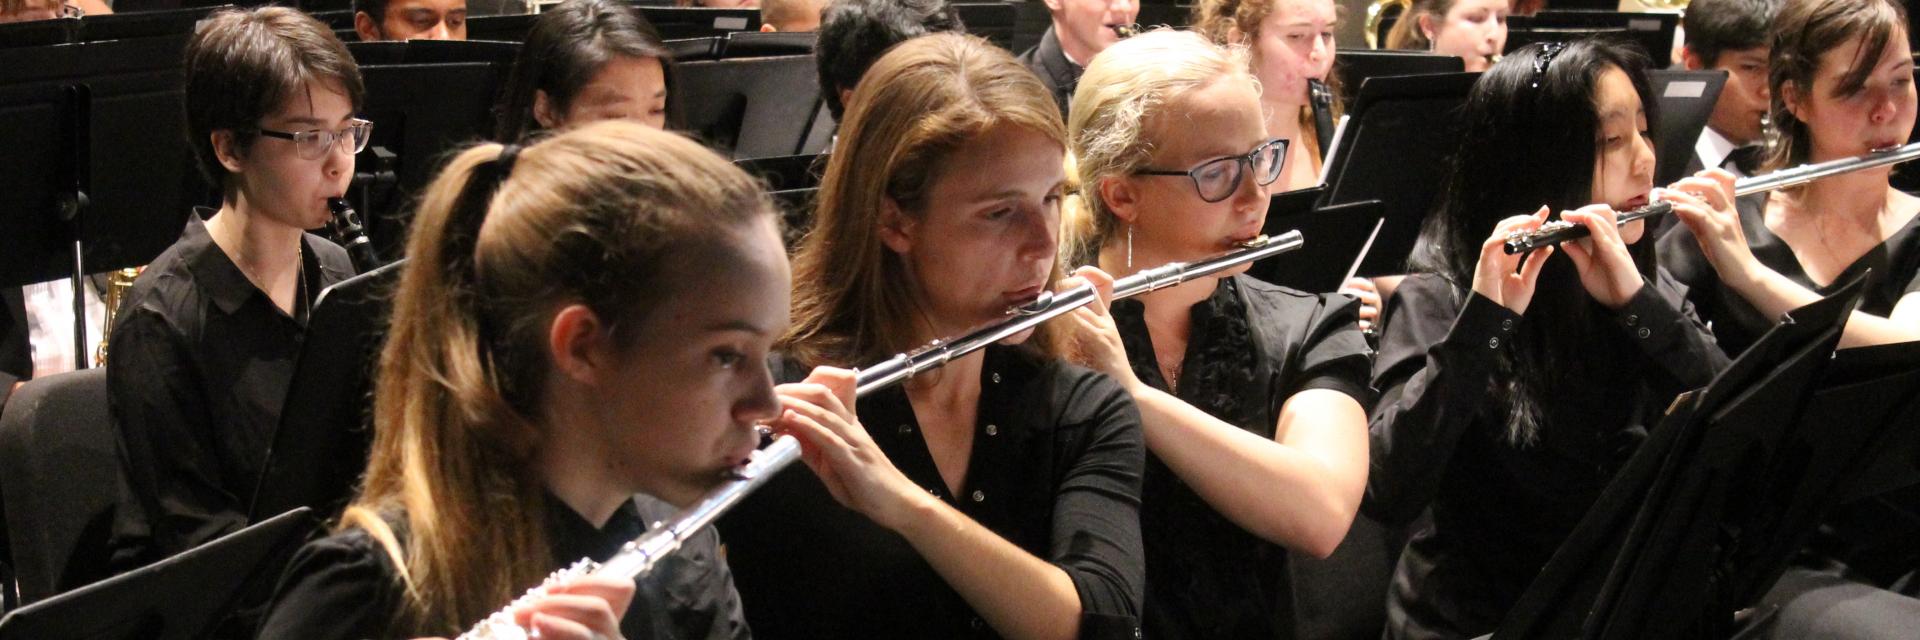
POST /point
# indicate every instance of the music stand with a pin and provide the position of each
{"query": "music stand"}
(1335, 238)
(319, 449)
(1396, 148)
(1685, 100)
(145, 24)
(1353, 66)
(991, 20)
(39, 33)
(745, 107)
(755, 44)
(1155, 13)
(1707, 512)
(700, 22)
(187, 596)
(707, 48)
(420, 113)
(1653, 32)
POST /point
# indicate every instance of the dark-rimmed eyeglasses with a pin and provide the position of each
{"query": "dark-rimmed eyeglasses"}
(313, 144)
(1216, 179)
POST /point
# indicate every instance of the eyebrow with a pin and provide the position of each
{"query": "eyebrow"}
(736, 325)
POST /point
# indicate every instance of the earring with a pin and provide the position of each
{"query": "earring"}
(1129, 247)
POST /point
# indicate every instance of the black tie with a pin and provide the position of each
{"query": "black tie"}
(1746, 158)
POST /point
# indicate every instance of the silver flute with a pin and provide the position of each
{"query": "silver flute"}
(637, 557)
(1559, 231)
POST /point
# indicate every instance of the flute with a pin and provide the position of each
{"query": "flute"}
(637, 557)
(1559, 231)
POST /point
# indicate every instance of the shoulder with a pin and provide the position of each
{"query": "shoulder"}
(333, 258)
(344, 585)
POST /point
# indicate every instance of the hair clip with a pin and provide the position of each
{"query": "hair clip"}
(1544, 59)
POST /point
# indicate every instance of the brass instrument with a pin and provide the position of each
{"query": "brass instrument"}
(118, 284)
(1125, 30)
(638, 556)
(1377, 13)
(1559, 231)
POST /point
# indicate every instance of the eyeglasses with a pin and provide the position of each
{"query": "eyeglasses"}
(314, 144)
(1216, 179)
(71, 11)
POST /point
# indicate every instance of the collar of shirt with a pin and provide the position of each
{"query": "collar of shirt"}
(222, 281)
(1052, 54)
(572, 537)
(1714, 148)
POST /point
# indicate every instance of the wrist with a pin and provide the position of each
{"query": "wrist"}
(914, 514)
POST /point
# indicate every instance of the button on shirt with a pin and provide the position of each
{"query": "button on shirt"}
(200, 366)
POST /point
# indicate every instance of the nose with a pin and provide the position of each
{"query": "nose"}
(1251, 193)
(1124, 10)
(1039, 237)
(339, 158)
(1643, 158)
(759, 404)
(440, 31)
(1885, 104)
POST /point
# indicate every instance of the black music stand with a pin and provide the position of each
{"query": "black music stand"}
(189, 596)
(1653, 32)
(1335, 238)
(991, 20)
(1706, 514)
(1685, 100)
(97, 175)
(502, 28)
(1396, 147)
(319, 449)
(700, 22)
(1353, 66)
(1155, 13)
(421, 113)
(391, 52)
(707, 48)
(145, 24)
(746, 107)
(755, 44)
(39, 33)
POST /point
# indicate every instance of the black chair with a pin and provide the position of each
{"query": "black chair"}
(62, 482)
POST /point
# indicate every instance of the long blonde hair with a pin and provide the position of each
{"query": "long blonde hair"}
(1122, 93)
(592, 216)
(853, 300)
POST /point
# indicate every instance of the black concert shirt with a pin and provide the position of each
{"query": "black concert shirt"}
(200, 364)
(1252, 346)
(1892, 270)
(1440, 440)
(346, 587)
(1055, 470)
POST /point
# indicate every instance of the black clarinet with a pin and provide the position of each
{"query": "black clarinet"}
(1321, 98)
(348, 231)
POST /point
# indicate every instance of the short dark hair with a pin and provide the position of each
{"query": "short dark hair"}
(567, 45)
(854, 33)
(376, 9)
(1717, 26)
(244, 64)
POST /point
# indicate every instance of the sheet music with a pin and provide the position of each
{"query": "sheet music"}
(1364, 250)
(1326, 164)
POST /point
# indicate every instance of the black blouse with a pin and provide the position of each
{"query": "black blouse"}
(1439, 441)
(346, 587)
(1895, 265)
(199, 372)
(1252, 346)
(1055, 470)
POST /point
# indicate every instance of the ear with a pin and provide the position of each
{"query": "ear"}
(367, 27)
(896, 229)
(1121, 198)
(846, 98)
(1235, 37)
(543, 111)
(579, 344)
(227, 150)
(1691, 59)
(1425, 22)
(1054, 6)
(1791, 96)
(767, 27)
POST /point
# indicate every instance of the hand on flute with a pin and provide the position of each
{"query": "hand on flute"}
(1096, 340)
(819, 412)
(585, 608)
(1363, 290)
(1605, 267)
(1705, 203)
(1508, 279)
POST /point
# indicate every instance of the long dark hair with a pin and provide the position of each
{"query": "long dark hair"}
(567, 45)
(1532, 133)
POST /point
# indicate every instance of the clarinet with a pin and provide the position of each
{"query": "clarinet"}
(351, 235)
(636, 558)
(1320, 96)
